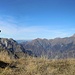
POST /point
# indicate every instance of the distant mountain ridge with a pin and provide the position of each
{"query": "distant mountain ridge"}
(73, 35)
(53, 48)
(20, 41)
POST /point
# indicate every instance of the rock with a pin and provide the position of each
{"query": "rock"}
(14, 49)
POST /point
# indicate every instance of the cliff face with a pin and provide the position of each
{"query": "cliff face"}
(53, 48)
(12, 47)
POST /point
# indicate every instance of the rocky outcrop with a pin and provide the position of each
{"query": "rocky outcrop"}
(10, 46)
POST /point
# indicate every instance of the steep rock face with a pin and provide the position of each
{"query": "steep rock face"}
(53, 48)
(12, 47)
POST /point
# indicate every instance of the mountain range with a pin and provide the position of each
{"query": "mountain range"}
(16, 57)
(52, 48)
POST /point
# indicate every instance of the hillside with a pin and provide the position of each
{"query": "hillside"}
(12, 48)
(29, 65)
(52, 48)
(38, 66)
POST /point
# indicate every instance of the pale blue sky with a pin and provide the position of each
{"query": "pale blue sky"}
(30, 19)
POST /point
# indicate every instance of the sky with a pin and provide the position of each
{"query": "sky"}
(31, 19)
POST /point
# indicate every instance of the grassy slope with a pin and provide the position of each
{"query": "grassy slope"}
(39, 66)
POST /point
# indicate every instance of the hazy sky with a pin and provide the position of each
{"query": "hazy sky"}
(29, 19)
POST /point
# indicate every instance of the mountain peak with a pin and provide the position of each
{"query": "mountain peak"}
(73, 35)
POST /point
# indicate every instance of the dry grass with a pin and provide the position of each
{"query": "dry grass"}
(39, 66)
(4, 56)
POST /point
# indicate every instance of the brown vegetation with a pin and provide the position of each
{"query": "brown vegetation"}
(39, 66)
